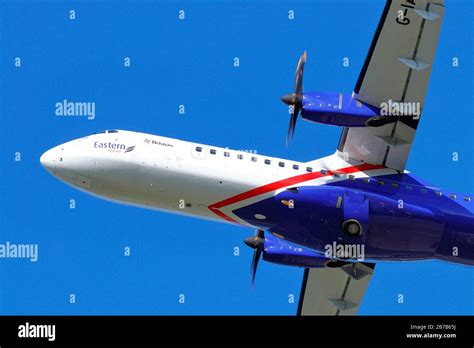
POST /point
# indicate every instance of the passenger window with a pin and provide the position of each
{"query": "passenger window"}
(281, 164)
(254, 159)
(409, 188)
(467, 199)
(453, 196)
(423, 190)
(239, 156)
(296, 167)
(213, 152)
(198, 148)
(380, 183)
(324, 172)
(309, 169)
(226, 154)
(352, 177)
(367, 180)
(394, 185)
(267, 161)
(439, 194)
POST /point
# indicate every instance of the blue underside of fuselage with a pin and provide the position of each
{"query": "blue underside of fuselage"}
(406, 219)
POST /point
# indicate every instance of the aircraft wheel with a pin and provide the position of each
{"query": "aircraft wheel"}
(351, 228)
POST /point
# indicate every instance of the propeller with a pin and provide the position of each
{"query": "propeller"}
(256, 243)
(295, 98)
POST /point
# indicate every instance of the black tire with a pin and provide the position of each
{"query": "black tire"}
(351, 228)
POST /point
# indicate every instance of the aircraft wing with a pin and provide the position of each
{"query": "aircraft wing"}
(334, 291)
(397, 69)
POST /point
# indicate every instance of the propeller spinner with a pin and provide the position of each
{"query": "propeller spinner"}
(295, 98)
(256, 243)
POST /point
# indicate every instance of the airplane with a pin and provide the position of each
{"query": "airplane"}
(335, 216)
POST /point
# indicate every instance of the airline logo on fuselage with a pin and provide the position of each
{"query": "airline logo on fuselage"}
(109, 145)
(113, 147)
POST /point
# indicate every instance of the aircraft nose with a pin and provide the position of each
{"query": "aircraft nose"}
(48, 161)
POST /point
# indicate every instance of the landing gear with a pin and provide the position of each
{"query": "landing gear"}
(351, 228)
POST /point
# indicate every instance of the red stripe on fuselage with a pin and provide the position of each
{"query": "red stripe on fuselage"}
(215, 207)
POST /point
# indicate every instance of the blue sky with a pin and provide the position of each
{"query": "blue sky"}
(190, 62)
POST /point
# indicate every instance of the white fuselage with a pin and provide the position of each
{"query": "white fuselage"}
(169, 174)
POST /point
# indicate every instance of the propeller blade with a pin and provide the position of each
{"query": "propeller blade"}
(299, 75)
(256, 257)
(256, 243)
(295, 98)
(292, 125)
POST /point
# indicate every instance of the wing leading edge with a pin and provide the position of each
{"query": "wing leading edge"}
(395, 75)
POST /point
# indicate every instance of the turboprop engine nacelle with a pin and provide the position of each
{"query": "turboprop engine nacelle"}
(277, 250)
(341, 109)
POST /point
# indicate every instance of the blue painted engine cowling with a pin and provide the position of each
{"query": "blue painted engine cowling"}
(337, 109)
(279, 251)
